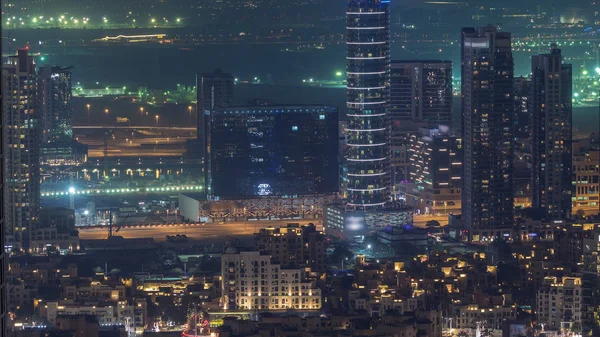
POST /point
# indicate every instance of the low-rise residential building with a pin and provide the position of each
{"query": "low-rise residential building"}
(559, 303)
(250, 281)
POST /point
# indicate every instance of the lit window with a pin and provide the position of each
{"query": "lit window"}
(294, 128)
(321, 117)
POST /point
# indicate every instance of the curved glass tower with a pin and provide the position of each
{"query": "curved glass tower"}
(368, 73)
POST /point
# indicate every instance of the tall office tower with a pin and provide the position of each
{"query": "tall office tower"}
(56, 114)
(213, 90)
(21, 149)
(272, 150)
(488, 139)
(552, 111)
(421, 91)
(367, 136)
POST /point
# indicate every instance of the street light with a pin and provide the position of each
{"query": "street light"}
(88, 109)
(190, 110)
(157, 120)
(106, 111)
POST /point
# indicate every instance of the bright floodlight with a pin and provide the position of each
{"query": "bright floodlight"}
(598, 70)
(369, 247)
(72, 190)
(86, 212)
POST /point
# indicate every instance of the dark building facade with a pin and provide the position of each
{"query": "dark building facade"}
(56, 114)
(552, 111)
(21, 149)
(487, 132)
(213, 90)
(367, 172)
(272, 150)
(522, 117)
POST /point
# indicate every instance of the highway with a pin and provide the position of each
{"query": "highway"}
(209, 233)
(132, 127)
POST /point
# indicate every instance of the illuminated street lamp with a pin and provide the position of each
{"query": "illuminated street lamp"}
(88, 110)
(190, 110)
(157, 120)
(106, 111)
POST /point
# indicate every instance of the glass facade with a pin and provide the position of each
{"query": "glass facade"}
(272, 150)
(368, 77)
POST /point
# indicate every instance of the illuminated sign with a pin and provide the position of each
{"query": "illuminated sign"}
(354, 223)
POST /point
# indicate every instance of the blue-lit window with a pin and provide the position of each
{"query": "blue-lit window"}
(321, 117)
(294, 128)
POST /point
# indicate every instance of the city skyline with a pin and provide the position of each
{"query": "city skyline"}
(300, 168)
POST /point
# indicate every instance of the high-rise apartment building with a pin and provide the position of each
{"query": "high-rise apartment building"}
(586, 178)
(21, 148)
(487, 129)
(420, 97)
(265, 150)
(552, 119)
(293, 245)
(56, 114)
(3, 255)
(435, 171)
(250, 281)
(368, 80)
(421, 91)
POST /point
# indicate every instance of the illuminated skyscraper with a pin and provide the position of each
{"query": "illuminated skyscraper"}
(56, 114)
(421, 91)
(368, 76)
(488, 137)
(21, 148)
(551, 108)
(420, 97)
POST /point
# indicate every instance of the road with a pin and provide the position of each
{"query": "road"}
(209, 233)
(421, 220)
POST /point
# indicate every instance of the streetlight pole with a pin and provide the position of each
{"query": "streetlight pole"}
(88, 110)
(157, 120)
(190, 110)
